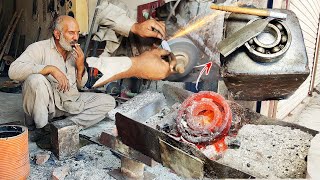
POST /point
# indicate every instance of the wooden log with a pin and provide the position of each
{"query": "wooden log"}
(8, 30)
(10, 34)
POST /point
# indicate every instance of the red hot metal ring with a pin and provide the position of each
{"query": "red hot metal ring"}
(204, 117)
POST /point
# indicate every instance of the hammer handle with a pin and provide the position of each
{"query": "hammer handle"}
(241, 10)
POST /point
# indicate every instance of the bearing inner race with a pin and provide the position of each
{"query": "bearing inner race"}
(269, 37)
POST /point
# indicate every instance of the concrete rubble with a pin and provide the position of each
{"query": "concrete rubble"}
(91, 162)
(60, 173)
(42, 157)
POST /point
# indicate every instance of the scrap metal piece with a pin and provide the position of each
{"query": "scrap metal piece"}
(146, 140)
(141, 107)
(165, 45)
(117, 174)
(64, 138)
(131, 168)
(237, 39)
(145, 112)
(174, 94)
(112, 141)
(203, 118)
(173, 157)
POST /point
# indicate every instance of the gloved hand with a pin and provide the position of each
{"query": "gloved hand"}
(148, 65)
(109, 67)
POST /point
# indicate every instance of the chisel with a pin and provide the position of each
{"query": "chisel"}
(251, 11)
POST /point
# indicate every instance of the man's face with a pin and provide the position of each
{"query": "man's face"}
(65, 44)
(69, 35)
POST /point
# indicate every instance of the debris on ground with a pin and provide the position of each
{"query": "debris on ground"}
(42, 157)
(92, 162)
(60, 173)
(270, 151)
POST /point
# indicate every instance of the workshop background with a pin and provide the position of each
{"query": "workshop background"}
(34, 18)
(23, 22)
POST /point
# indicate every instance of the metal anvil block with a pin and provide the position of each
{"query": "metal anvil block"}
(274, 74)
(64, 138)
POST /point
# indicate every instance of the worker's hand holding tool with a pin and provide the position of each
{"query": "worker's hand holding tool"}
(149, 28)
(171, 58)
(156, 29)
(150, 65)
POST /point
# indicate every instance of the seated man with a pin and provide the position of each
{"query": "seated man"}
(52, 71)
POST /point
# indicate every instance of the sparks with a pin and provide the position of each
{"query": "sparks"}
(200, 23)
(196, 25)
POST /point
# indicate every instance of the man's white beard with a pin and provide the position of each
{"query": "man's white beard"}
(64, 44)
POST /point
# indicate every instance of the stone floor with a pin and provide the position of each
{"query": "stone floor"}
(11, 111)
(10, 106)
(310, 115)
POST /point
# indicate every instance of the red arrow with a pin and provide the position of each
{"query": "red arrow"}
(206, 68)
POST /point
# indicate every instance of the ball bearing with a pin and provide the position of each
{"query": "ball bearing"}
(270, 44)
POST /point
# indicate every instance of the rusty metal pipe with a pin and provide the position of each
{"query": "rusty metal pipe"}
(173, 10)
(315, 64)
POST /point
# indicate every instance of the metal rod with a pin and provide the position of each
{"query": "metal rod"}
(86, 46)
(173, 10)
(91, 29)
(315, 64)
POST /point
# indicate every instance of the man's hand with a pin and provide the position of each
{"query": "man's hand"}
(63, 82)
(150, 28)
(79, 56)
(150, 65)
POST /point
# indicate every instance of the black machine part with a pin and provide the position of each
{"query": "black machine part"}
(252, 75)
